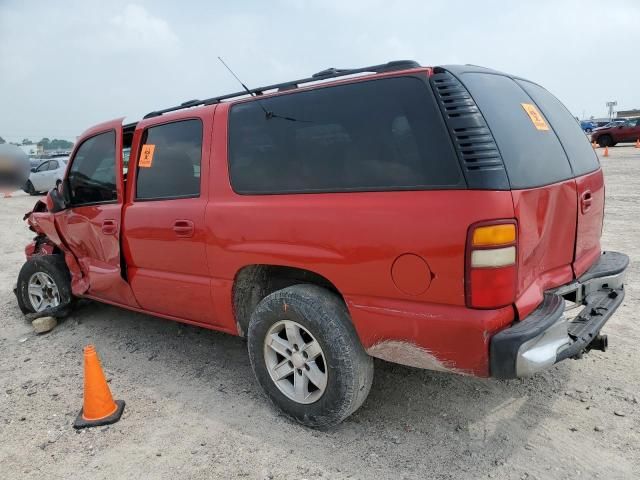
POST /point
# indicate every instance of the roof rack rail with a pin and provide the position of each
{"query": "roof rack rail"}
(322, 75)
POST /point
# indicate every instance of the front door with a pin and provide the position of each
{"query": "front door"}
(39, 178)
(91, 224)
(164, 231)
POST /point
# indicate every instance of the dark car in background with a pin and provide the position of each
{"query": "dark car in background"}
(617, 132)
(607, 123)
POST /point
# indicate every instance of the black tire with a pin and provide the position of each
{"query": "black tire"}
(52, 265)
(605, 141)
(29, 188)
(349, 368)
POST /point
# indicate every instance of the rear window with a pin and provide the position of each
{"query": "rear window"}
(376, 135)
(581, 155)
(532, 157)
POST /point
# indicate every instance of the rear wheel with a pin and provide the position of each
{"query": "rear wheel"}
(44, 282)
(605, 141)
(307, 356)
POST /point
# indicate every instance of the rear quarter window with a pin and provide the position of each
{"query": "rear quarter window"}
(581, 155)
(368, 136)
(532, 157)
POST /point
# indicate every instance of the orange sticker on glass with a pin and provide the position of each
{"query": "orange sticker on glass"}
(536, 117)
(146, 156)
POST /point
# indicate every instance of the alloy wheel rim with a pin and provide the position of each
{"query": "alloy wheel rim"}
(43, 292)
(295, 361)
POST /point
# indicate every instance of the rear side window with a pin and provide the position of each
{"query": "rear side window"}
(377, 135)
(169, 161)
(532, 157)
(581, 155)
(92, 178)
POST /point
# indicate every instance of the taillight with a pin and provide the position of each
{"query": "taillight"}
(491, 264)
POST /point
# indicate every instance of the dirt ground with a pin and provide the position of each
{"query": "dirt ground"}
(194, 410)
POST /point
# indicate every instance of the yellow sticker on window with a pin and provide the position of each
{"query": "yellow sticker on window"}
(146, 156)
(536, 117)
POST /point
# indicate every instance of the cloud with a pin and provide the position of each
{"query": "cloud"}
(68, 64)
(136, 29)
(65, 66)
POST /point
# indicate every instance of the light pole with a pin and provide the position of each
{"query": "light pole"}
(610, 106)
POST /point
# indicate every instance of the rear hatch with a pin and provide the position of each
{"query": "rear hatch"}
(555, 178)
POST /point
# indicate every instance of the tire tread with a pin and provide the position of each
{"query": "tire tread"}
(349, 357)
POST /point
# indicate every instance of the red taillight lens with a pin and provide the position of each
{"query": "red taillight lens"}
(491, 269)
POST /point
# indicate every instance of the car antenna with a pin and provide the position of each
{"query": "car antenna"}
(268, 114)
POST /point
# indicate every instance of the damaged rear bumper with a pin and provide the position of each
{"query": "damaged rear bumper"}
(548, 336)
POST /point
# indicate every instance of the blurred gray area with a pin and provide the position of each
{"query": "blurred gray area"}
(14, 166)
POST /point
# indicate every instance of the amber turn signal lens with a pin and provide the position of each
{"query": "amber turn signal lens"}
(491, 235)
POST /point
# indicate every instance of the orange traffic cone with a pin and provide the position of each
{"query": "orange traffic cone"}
(99, 407)
(606, 152)
(638, 143)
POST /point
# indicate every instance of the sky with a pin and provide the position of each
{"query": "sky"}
(67, 65)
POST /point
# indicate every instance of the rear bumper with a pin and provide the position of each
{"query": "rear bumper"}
(548, 336)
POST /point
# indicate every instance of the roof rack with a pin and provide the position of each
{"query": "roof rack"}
(323, 75)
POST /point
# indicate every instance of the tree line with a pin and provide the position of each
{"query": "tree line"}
(47, 144)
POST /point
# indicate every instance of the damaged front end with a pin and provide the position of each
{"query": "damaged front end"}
(48, 241)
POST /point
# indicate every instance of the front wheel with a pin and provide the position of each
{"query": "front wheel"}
(307, 356)
(44, 283)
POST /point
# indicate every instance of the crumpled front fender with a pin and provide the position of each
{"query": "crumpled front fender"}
(41, 221)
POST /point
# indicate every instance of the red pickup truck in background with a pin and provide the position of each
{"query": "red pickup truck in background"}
(438, 217)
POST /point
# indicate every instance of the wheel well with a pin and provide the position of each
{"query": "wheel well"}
(254, 282)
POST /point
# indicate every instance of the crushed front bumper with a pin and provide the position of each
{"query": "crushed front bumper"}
(548, 335)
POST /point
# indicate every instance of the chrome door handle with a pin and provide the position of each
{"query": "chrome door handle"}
(109, 227)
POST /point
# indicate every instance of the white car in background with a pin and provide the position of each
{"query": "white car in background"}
(45, 176)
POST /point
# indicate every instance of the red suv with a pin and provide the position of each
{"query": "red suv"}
(628, 131)
(437, 217)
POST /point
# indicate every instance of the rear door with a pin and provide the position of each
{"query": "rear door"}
(543, 189)
(630, 132)
(49, 176)
(557, 186)
(586, 170)
(164, 236)
(636, 131)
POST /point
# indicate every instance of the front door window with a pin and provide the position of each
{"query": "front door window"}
(92, 178)
(43, 167)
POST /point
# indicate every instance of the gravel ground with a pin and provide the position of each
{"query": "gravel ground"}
(195, 411)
